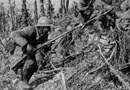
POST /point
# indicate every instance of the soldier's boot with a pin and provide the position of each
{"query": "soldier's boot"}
(28, 70)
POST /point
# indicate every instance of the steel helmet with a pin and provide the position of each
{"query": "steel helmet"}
(44, 21)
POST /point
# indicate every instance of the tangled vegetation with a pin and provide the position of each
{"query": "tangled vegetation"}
(92, 55)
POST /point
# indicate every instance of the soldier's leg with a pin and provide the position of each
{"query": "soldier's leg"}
(29, 68)
(40, 60)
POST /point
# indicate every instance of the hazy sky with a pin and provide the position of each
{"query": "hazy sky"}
(31, 3)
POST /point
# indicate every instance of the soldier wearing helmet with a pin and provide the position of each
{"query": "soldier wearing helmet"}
(28, 39)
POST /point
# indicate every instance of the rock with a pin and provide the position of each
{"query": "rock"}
(6, 88)
(24, 86)
(51, 84)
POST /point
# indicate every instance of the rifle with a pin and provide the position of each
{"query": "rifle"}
(15, 64)
(62, 35)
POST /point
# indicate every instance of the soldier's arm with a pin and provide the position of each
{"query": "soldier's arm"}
(42, 39)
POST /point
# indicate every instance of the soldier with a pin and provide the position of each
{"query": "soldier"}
(28, 39)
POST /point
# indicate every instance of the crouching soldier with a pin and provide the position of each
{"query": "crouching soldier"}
(28, 39)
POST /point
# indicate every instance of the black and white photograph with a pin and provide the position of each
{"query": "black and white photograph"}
(64, 44)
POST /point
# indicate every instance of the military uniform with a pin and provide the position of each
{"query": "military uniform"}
(28, 39)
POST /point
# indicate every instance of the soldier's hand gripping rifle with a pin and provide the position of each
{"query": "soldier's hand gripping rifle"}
(15, 64)
(62, 35)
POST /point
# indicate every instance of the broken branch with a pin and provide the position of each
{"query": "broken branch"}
(112, 68)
